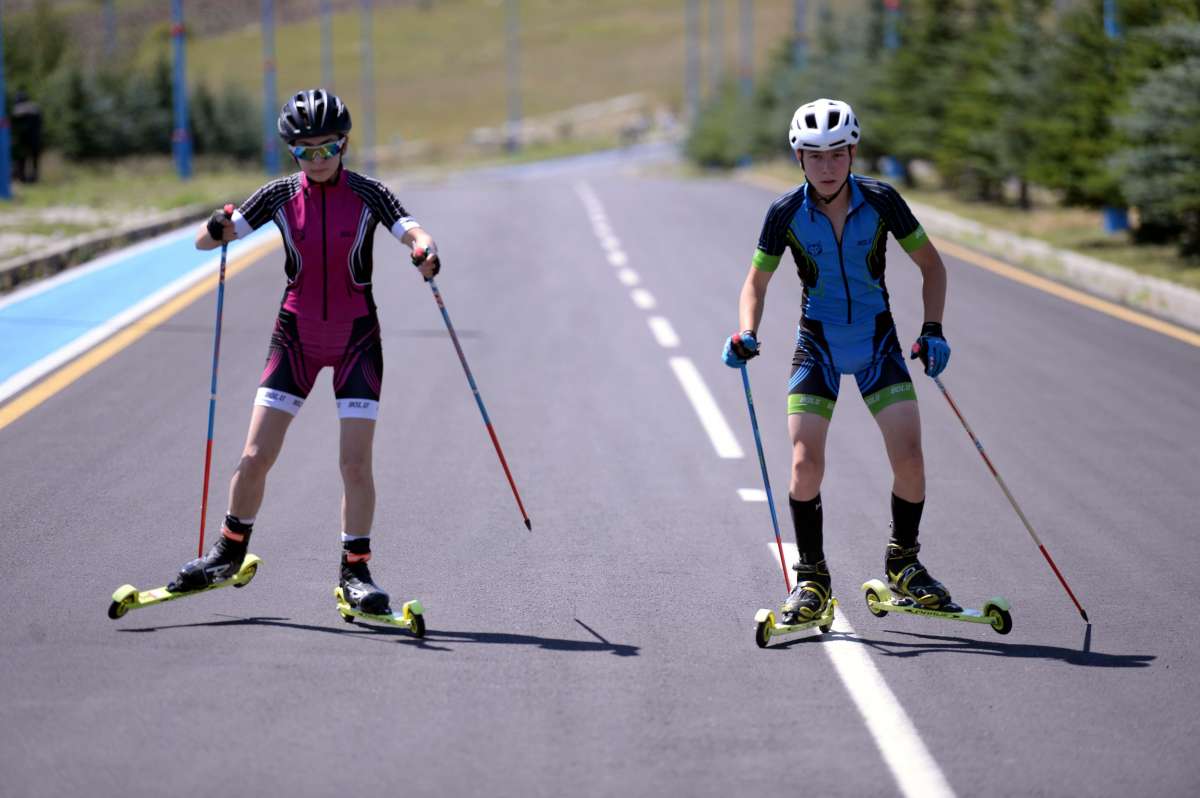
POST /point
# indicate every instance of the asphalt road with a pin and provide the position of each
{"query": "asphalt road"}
(610, 650)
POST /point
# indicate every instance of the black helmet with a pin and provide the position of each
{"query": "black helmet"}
(315, 112)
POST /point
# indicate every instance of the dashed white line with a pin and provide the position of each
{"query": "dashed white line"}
(643, 298)
(664, 333)
(610, 243)
(711, 419)
(617, 258)
(911, 764)
(628, 277)
(752, 494)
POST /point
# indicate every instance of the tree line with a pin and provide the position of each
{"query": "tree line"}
(1001, 93)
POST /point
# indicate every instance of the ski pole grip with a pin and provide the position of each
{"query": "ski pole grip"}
(228, 209)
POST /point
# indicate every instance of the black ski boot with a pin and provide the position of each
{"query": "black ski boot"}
(359, 591)
(908, 578)
(809, 599)
(222, 562)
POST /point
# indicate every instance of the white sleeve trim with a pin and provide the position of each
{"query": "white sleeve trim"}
(402, 226)
(240, 225)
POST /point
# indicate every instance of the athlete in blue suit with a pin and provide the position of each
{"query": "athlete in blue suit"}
(836, 225)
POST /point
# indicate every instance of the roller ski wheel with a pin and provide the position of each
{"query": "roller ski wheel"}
(410, 617)
(766, 626)
(880, 599)
(128, 597)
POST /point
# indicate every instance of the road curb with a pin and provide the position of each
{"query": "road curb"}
(1161, 298)
(80, 249)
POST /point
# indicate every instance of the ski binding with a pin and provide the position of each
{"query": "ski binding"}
(766, 626)
(410, 617)
(881, 600)
(128, 597)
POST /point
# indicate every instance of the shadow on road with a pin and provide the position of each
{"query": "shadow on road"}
(934, 644)
(389, 633)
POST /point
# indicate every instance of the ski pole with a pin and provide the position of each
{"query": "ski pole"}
(979, 446)
(762, 464)
(212, 399)
(487, 422)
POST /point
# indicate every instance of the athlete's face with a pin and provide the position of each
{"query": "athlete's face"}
(319, 169)
(827, 169)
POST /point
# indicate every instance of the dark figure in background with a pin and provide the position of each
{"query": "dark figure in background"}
(26, 137)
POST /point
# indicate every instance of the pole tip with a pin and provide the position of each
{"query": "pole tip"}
(1084, 614)
(528, 524)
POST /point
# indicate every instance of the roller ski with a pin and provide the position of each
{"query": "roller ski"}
(226, 564)
(359, 597)
(911, 589)
(809, 605)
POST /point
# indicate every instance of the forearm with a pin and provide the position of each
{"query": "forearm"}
(751, 303)
(933, 286)
(204, 241)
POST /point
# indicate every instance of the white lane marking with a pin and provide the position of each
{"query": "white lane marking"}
(610, 242)
(643, 298)
(664, 333)
(752, 494)
(618, 258)
(911, 764)
(628, 277)
(706, 408)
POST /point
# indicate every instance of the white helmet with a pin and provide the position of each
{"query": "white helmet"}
(823, 125)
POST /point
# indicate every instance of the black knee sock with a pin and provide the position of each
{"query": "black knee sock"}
(906, 521)
(808, 520)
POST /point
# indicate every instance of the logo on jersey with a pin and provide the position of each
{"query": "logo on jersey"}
(815, 249)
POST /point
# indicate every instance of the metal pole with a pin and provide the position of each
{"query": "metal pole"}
(5, 137)
(1112, 27)
(716, 46)
(368, 89)
(270, 98)
(891, 22)
(691, 77)
(747, 65)
(327, 44)
(799, 43)
(110, 28)
(512, 27)
(181, 139)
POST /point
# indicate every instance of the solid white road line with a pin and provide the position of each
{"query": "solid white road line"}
(706, 408)
(628, 277)
(911, 764)
(643, 298)
(752, 494)
(664, 333)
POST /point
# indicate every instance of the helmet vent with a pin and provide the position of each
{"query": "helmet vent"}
(834, 118)
(810, 120)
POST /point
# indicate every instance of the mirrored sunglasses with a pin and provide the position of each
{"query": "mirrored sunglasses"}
(327, 150)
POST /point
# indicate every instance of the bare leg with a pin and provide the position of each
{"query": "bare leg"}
(358, 481)
(263, 443)
(809, 432)
(901, 427)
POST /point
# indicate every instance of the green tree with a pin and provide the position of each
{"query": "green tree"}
(1160, 162)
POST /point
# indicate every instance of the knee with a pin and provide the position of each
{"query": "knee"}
(255, 463)
(807, 473)
(909, 462)
(356, 470)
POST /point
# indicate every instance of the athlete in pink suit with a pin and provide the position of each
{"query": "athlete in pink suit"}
(327, 216)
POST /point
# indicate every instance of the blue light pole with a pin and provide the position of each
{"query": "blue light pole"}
(799, 56)
(327, 44)
(5, 138)
(1116, 219)
(270, 101)
(891, 31)
(181, 137)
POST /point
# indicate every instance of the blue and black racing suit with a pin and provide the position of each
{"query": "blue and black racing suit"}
(846, 326)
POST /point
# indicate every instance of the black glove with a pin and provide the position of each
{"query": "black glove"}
(216, 223)
(425, 254)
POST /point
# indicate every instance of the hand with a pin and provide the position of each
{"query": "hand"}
(220, 225)
(425, 257)
(739, 348)
(932, 349)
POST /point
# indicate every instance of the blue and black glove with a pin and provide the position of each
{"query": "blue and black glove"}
(931, 348)
(739, 348)
(218, 222)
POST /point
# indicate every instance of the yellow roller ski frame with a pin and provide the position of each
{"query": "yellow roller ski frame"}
(128, 597)
(765, 626)
(410, 617)
(881, 600)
